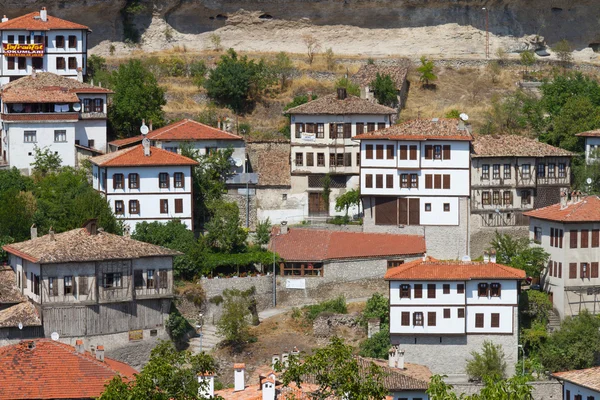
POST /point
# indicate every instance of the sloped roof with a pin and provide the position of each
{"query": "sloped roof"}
(9, 293)
(319, 245)
(188, 129)
(367, 74)
(421, 129)
(71, 116)
(32, 22)
(413, 377)
(78, 245)
(585, 210)
(589, 378)
(594, 133)
(330, 105)
(271, 160)
(25, 313)
(46, 369)
(126, 141)
(431, 269)
(514, 146)
(134, 157)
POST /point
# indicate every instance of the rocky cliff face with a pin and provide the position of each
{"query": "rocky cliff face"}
(575, 20)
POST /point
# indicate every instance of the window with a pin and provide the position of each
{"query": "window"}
(595, 238)
(389, 181)
(134, 181)
(404, 291)
(22, 63)
(427, 207)
(370, 126)
(446, 288)
(551, 171)
(389, 152)
(403, 152)
(87, 105)
(506, 171)
(112, 280)
(164, 206)
(358, 159)
(431, 290)
(119, 207)
(72, 63)
(496, 197)
(369, 151)
(29, 137)
(60, 63)
(541, 170)
(150, 279)
(320, 131)
(99, 106)
(418, 319)
(379, 181)
(163, 180)
(414, 183)
(178, 180)
(437, 152)
(526, 168)
(446, 152)
(10, 63)
(163, 282)
(562, 170)
(496, 171)
(537, 234)
(573, 237)
(446, 181)
(320, 159)
(118, 181)
(138, 278)
(340, 130)
(495, 320)
(299, 159)
(10, 39)
(178, 206)
(134, 207)
(339, 160)
(431, 316)
(461, 313)
(508, 198)
(585, 236)
(394, 263)
(572, 270)
(379, 152)
(478, 320)
(299, 130)
(482, 290)
(446, 207)
(60, 41)
(302, 269)
(437, 181)
(418, 291)
(495, 289)
(405, 320)
(37, 62)
(446, 313)
(404, 180)
(310, 159)
(68, 285)
(72, 41)
(460, 288)
(485, 171)
(525, 197)
(584, 273)
(22, 39)
(413, 152)
(485, 198)
(52, 286)
(368, 180)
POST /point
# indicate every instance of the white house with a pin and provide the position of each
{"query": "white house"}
(440, 311)
(582, 384)
(592, 144)
(414, 179)
(42, 42)
(49, 110)
(570, 232)
(322, 142)
(146, 184)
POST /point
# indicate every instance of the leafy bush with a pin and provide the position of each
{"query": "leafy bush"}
(263, 232)
(216, 300)
(385, 90)
(195, 294)
(233, 325)
(198, 70)
(453, 114)
(334, 306)
(536, 306)
(351, 88)
(426, 74)
(177, 326)
(489, 363)
(378, 345)
(377, 307)
(339, 220)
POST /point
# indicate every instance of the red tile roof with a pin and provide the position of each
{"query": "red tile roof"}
(589, 378)
(585, 210)
(514, 146)
(421, 129)
(319, 245)
(40, 117)
(331, 105)
(134, 157)
(123, 142)
(45, 369)
(32, 22)
(436, 270)
(594, 133)
(188, 129)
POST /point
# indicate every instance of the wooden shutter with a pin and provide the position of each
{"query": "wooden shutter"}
(403, 206)
(585, 237)
(370, 126)
(386, 211)
(431, 318)
(446, 313)
(431, 290)
(428, 181)
(403, 152)
(299, 129)
(347, 130)
(414, 212)
(114, 181)
(347, 159)
(572, 270)
(178, 206)
(310, 127)
(405, 318)
(379, 152)
(413, 152)
(83, 285)
(460, 288)
(380, 125)
(446, 288)
(478, 320)
(369, 180)
(389, 149)
(418, 291)
(495, 320)
(594, 270)
(560, 270)
(573, 238)
(163, 282)
(561, 234)
(310, 159)
(437, 181)
(360, 128)
(332, 131)
(55, 286)
(379, 181)
(428, 152)
(551, 237)
(11, 62)
(389, 181)
(369, 149)
(138, 278)
(555, 268)
(446, 152)
(446, 184)
(595, 238)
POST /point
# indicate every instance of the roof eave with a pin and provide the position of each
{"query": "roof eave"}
(21, 254)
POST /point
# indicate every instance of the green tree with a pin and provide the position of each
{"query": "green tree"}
(96, 69)
(13, 179)
(198, 70)
(582, 171)
(176, 325)
(561, 88)
(426, 72)
(385, 90)
(284, 69)
(45, 161)
(440, 390)
(377, 307)
(16, 215)
(337, 374)
(489, 363)
(527, 60)
(378, 345)
(225, 233)
(169, 375)
(351, 88)
(577, 115)
(564, 52)
(514, 388)
(233, 325)
(263, 232)
(517, 113)
(347, 200)
(137, 96)
(517, 252)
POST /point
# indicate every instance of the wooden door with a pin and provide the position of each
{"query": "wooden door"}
(414, 212)
(317, 205)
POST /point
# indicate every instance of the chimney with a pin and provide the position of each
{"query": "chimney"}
(274, 360)
(93, 350)
(564, 197)
(51, 233)
(341, 94)
(392, 356)
(91, 226)
(33, 231)
(44, 14)
(486, 257)
(219, 123)
(79, 74)
(79, 346)
(100, 353)
(4, 19)
(461, 125)
(295, 352)
(268, 388)
(285, 357)
(33, 73)
(493, 256)
(424, 257)
(146, 146)
(150, 125)
(207, 385)
(400, 359)
(238, 377)
(284, 228)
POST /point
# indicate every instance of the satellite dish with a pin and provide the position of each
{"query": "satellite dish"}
(20, 325)
(589, 181)
(466, 258)
(77, 107)
(238, 162)
(464, 116)
(54, 336)
(144, 129)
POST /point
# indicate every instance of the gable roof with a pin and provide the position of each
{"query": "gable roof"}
(431, 269)
(319, 245)
(47, 369)
(9, 293)
(25, 313)
(367, 74)
(330, 105)
(422, 129)
(78, 245)
(585, 210)
(594, 133)
(32, 22)
(134, 157)
(589, 377)
(514, 146)
(188, 129)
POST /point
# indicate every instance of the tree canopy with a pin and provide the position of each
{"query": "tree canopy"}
(517, 252)
(385, 90)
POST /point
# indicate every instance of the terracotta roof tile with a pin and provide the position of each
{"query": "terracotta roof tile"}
(421, 129)
(124, 142)
(25, 313)
(318, 245)
(436, 270)
(134, 157)
(413, 377)
(40, 117)
(45, 369)
(589, 378)
(78, 245)
(271, 160)
(32, 22)
(514, 146)
(594, 133)
(331, 105)
(585, 210)
(188, 129)
(367, 74)
(9, 293)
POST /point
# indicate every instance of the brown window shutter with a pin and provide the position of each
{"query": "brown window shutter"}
(380, 125)
(413, 152)
(386, 211)
(495, 320)
(428, 152)
(461, 313)
(332, 131)
(299, 129)
(446, 288)
(389, 149)
(446, 152)
(585, 237)
(138, 278)
(431, 318)
(347, 130)
(560, 270)
(431, 290)
(178, 206)
(414, 215)
(478, 320)
(369, 149)
(551, 237)
(389, 181)
(428, 181)
(561, 234)
(379, 181)
(446, 313)
(573, 238)
(55, 286)
(347, 159)
(163, 282)
(437, 181)
(360, 128)
(555, 268)
(446, 181)
(369, 180)
(418, 291)
(405, 318)
(549, 268)
(403, 202)
(572, 270)
(594, 271)
(370, 126)
(595, 238)
(379, 152)
(403, 152)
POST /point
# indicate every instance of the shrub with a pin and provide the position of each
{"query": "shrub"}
(351, 88)
(378, 345)
(198, 72)
(177, 326)
(489, 363)
(426, 74)
(195, 294)
(385, 90)
(233, 325)
(335, 306)
(377, 307)
(454, 114)
(216, 300)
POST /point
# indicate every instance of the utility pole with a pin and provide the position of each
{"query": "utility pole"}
(487, 32)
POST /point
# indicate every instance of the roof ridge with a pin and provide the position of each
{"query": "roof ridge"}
(85, 355)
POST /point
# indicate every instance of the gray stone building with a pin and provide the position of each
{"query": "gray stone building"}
(512, 174)
(365, 76)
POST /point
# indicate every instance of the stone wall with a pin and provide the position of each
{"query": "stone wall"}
(324, 326)
(481, 236)
(241, 200)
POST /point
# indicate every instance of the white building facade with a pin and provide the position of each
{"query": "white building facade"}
(441, 311)
(592, 145)
(583, 384)
(139, 187)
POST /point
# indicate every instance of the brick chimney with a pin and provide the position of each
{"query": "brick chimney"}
(341, 94)
(284, 228)
(79, 74)
(239, 370)
(79, 345)
(33, 231)
(100, 353)
(4, 18)
(44, 14)
(274, 360)
(268, 388)
(207, 384)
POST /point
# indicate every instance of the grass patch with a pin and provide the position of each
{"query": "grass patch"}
(334, 306)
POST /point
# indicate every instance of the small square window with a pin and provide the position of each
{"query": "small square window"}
(427, 206)
(60, 136)
(405, 291)
(284, 197)
(446, 207)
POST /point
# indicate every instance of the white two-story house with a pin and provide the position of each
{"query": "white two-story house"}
(592, 145)
(570, 232)
(322, 142)
(146, 184)
(440, 311)
(414, 179)
(48, 110)
(41, 42)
